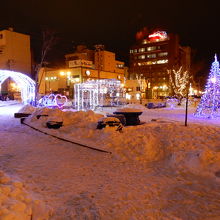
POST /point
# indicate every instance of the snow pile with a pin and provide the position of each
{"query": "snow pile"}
(79, 119)
(159, 140)
(16, 204)
(136, 106)
(128, 110)
(29, 109)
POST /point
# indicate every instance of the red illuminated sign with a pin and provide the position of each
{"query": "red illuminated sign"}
(159, 35)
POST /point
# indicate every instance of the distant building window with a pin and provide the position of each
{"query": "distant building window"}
(162, 54)
(141, 57)
(153, 55)
(151, 48)
(135, 50)
(162, 61)
(131, 51)
(141, 50)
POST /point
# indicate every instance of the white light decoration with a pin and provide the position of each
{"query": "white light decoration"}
(94, 93)
(25, 83)
(53, 101)
(213, 80)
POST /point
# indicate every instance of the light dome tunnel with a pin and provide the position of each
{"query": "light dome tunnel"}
(26, 84)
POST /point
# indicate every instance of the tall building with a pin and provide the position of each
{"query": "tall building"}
(15, 52)
(152, 56)
(82, 65)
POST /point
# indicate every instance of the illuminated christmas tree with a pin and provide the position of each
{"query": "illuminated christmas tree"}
(209, 106)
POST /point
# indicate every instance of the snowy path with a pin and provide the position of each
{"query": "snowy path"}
(80, 183)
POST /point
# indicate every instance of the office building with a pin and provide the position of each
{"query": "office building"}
(152, 56)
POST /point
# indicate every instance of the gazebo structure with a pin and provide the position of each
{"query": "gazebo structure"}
(25, 83)
(94, 93)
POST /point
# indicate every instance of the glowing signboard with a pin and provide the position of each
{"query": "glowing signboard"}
(158, 36)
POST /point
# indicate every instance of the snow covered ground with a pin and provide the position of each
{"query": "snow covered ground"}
(157, 170)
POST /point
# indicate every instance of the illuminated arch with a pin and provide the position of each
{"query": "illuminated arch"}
(26, 84)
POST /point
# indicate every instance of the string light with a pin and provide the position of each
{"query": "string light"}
(93, 93)
(53, 100)
(179, 80)
(209, 106)
(26, 84)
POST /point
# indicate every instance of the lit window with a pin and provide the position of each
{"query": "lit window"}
(144, 41)
(153, 55)
(151, 48)
(162, 54)
(139, 64)
(135, 50)
(120, 65)
(131, 51)
(141, 50)
(141, 57)
(162, 61)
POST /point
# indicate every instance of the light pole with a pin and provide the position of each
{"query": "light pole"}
(67, 75)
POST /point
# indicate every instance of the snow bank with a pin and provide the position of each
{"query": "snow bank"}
(27, 109)
(16, 204)
(181, 147)
(128, 110)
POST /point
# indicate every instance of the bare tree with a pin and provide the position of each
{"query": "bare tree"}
(48, 41)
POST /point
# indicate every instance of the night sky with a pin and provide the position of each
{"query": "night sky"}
(115, 23)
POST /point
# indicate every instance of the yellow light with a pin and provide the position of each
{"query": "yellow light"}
(164, 87)
(46, 78)
(68, 73)
(122, 85)
(13, 85)
(62, 73)
(77, 79)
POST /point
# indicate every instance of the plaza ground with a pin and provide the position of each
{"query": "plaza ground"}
(160, 170)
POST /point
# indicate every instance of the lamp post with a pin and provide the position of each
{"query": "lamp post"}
(67, 75)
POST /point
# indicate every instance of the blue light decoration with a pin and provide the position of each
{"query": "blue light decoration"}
(209, 106)
(25, 83)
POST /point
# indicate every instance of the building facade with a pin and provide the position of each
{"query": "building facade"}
(151, 58)
(15, 52)
(82, 65)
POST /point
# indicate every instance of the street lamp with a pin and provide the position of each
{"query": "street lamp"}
(67, 74)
